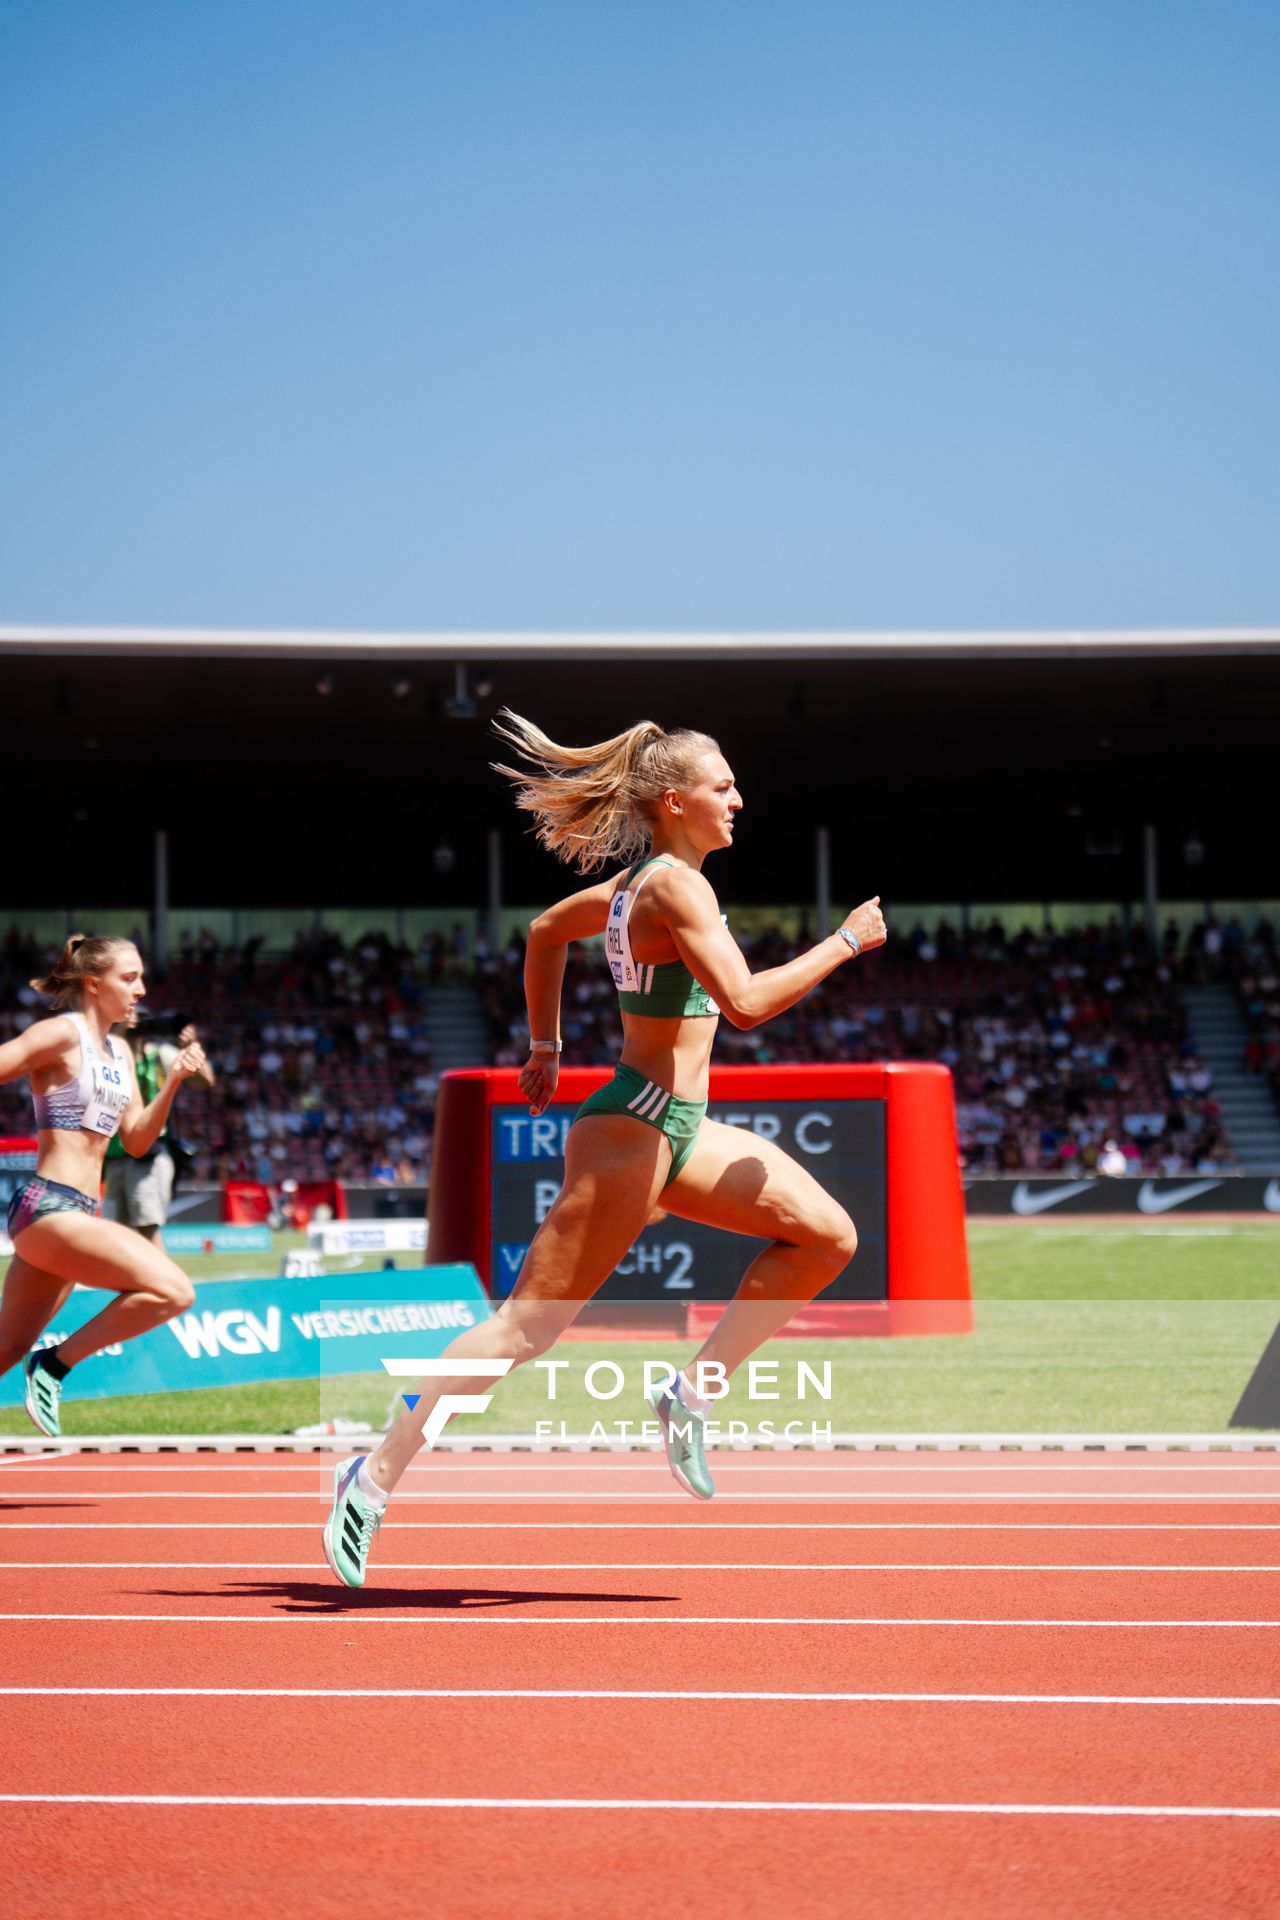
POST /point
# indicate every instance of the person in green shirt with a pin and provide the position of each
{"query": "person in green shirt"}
(139, 1191)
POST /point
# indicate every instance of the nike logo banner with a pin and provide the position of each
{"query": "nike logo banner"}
(1029, 1199)
(1148, 1197)
(1149, 1201)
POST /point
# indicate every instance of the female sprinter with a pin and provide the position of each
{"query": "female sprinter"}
(664, 801)
(83, 1086)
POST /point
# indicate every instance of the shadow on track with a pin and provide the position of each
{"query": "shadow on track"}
(314, 1596)
(46, 1506)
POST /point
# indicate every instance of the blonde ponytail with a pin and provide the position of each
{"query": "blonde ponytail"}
(595, 805)
(83, 954)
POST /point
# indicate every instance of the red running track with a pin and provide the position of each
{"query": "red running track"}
(997, 1685)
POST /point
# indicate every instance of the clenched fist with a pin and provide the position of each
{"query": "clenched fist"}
(190, 1061)
(866, 924)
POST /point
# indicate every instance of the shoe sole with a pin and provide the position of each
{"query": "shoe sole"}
(326, 1533)
(34, 1417)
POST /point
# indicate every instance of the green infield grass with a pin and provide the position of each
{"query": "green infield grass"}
(1090, 1327)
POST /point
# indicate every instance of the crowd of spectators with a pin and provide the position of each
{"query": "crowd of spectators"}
(1070, 1050)
(1248, 962)
(322, 1055)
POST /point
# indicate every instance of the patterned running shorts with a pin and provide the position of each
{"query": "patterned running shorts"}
(37, 1197)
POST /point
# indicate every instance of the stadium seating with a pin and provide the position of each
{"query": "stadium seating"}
(1058, 1042)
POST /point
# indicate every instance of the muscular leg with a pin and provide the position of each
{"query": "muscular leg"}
(733, 1179)
(31, 1299)
(76, 1247)
(614, 1170)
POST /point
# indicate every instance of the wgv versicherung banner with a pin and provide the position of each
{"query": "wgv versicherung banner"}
(243, 1331)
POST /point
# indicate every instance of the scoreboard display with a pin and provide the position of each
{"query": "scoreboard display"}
(841, 1142)
(879, 1138)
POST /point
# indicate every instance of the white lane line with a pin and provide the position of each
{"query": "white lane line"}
(656, 1526)
(646, 1693)
(347, 1616)
(997, 1457)
(442, 1803)
(647, 1469)
(664, 1496)
(631, 1566)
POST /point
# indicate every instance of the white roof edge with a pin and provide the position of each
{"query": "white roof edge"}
(315, 644)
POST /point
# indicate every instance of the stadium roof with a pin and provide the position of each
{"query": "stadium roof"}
(293, 774)
(282, 644)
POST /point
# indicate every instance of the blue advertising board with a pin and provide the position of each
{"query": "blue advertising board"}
(251, 1330)
(216, 1239)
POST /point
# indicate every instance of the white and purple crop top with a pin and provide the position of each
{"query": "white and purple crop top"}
(97, 1096)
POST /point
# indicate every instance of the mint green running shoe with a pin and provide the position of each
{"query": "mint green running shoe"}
(682, 1436)
(43, 1397)
(352, 1524)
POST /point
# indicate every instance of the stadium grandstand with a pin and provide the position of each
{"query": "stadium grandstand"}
(1097, 964)
(1057, 1041)
(329, 1055)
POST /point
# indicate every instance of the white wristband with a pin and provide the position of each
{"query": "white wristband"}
(851, 940)
(546, 1046)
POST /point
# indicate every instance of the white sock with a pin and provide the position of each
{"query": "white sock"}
(372, 1492)
(689, 1398)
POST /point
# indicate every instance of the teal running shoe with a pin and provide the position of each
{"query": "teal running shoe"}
(682, 1436)
(352, 1524)
(43, 1396)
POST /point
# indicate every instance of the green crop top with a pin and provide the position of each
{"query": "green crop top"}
(664, 991)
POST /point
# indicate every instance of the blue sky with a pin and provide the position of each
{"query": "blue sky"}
(440, 314)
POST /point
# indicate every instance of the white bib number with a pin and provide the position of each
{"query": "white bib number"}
(618, 948)
(108, 1100)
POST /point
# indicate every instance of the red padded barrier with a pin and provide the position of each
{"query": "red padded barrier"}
(248, 1203)
(927, 1257)
(929, 1289)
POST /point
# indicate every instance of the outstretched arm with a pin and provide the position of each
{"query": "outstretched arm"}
(716, 961)
(43, 1042)
(576, 918)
